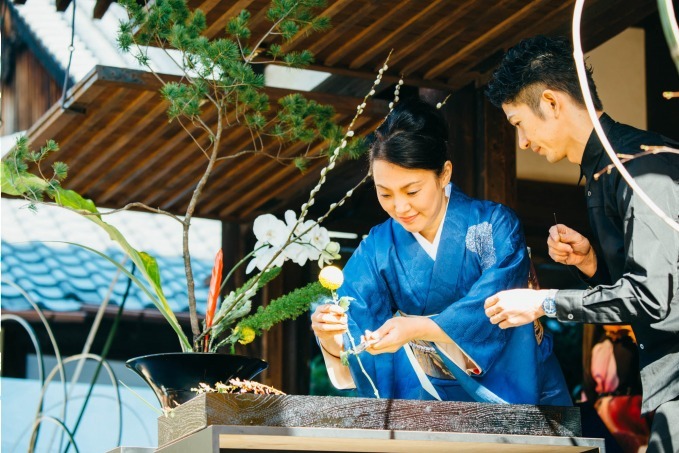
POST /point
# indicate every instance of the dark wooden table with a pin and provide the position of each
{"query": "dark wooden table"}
(265, 423)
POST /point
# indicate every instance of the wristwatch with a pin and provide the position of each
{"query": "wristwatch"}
(549, 304)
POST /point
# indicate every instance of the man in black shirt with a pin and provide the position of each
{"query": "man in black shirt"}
(632, 261)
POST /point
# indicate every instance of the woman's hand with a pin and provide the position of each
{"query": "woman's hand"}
(329, 322)
(396, 332)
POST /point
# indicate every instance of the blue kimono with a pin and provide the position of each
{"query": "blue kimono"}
(482, 251)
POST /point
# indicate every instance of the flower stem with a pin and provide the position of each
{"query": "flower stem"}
(360, 364)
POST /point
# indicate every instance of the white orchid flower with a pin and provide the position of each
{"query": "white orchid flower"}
(263, 256)
(291, 221)
(319, 237)
(298, 253)
(270, 230)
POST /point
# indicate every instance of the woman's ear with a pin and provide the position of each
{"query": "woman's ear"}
(446, 174)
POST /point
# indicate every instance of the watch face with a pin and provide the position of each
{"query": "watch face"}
(549, 306)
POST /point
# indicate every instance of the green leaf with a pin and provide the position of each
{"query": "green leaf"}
(183, 340)
(345, 301)
(145, 262)
(344, 358)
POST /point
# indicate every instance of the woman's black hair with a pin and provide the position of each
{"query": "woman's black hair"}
(413, 136)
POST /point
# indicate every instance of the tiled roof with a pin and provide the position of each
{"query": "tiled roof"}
(94, 39)
(64, 277)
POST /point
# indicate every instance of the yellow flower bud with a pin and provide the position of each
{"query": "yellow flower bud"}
(331, 277)
(246, 335)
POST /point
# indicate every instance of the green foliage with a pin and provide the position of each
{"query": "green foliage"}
(289, 306)
(218, 76)
(301, 163)
(238, 26)
(18, 180)
(236, 304)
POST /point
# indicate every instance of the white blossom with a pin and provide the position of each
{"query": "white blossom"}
(270, 230)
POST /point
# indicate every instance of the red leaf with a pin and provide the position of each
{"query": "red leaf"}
(213, 295)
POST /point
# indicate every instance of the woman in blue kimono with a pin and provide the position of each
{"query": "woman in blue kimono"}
(420, 280)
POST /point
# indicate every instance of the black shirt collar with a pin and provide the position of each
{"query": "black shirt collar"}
(594, 150)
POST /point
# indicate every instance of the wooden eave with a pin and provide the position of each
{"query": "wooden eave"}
(443, 44)
(120, 148)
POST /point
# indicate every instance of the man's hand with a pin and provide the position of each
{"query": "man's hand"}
(515, 307)
(567, 246)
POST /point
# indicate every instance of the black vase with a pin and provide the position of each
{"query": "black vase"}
(173, 375)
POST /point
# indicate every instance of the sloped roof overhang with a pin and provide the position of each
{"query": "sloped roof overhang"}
(441, 44)
(120, 147)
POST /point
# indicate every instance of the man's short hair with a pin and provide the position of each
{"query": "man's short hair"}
(534, 65)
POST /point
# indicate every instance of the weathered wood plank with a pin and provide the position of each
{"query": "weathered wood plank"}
(264, 439)
(365, 413)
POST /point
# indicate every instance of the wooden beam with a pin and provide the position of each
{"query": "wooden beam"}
(387, 40)
(62, 5)
(100, 8)
(337, 33)
(387, 78)
(483, 39)
(304, 33)
(218, 25)
(415, 47)
(544, 27)
(337, 413)
(350, 43)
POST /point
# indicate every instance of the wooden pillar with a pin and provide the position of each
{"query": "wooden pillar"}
(496, 149)
(661, 75)
(482, 144)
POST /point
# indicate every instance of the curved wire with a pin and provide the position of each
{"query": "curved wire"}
(48, 418)
(38, 351)
(60, 363)
(669, 25)
(111, 374)
(71, 48)
(104, 353)
(580, 66)
(34, 340)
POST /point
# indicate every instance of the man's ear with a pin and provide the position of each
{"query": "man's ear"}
(552, 102)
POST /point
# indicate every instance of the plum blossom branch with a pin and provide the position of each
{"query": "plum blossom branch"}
(624, 158)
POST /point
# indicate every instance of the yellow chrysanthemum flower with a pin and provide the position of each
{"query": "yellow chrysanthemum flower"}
(331, 277)
(246, 335)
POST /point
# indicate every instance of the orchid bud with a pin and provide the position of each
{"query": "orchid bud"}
(333, 248)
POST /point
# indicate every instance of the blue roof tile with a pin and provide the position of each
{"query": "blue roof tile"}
(43, 279)
(64, 278)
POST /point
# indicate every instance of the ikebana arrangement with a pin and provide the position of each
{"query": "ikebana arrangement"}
(218, 75)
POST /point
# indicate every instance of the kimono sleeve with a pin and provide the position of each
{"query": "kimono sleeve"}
(497, 246)
(370, 309)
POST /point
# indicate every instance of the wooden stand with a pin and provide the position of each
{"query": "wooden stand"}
(219, 422)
